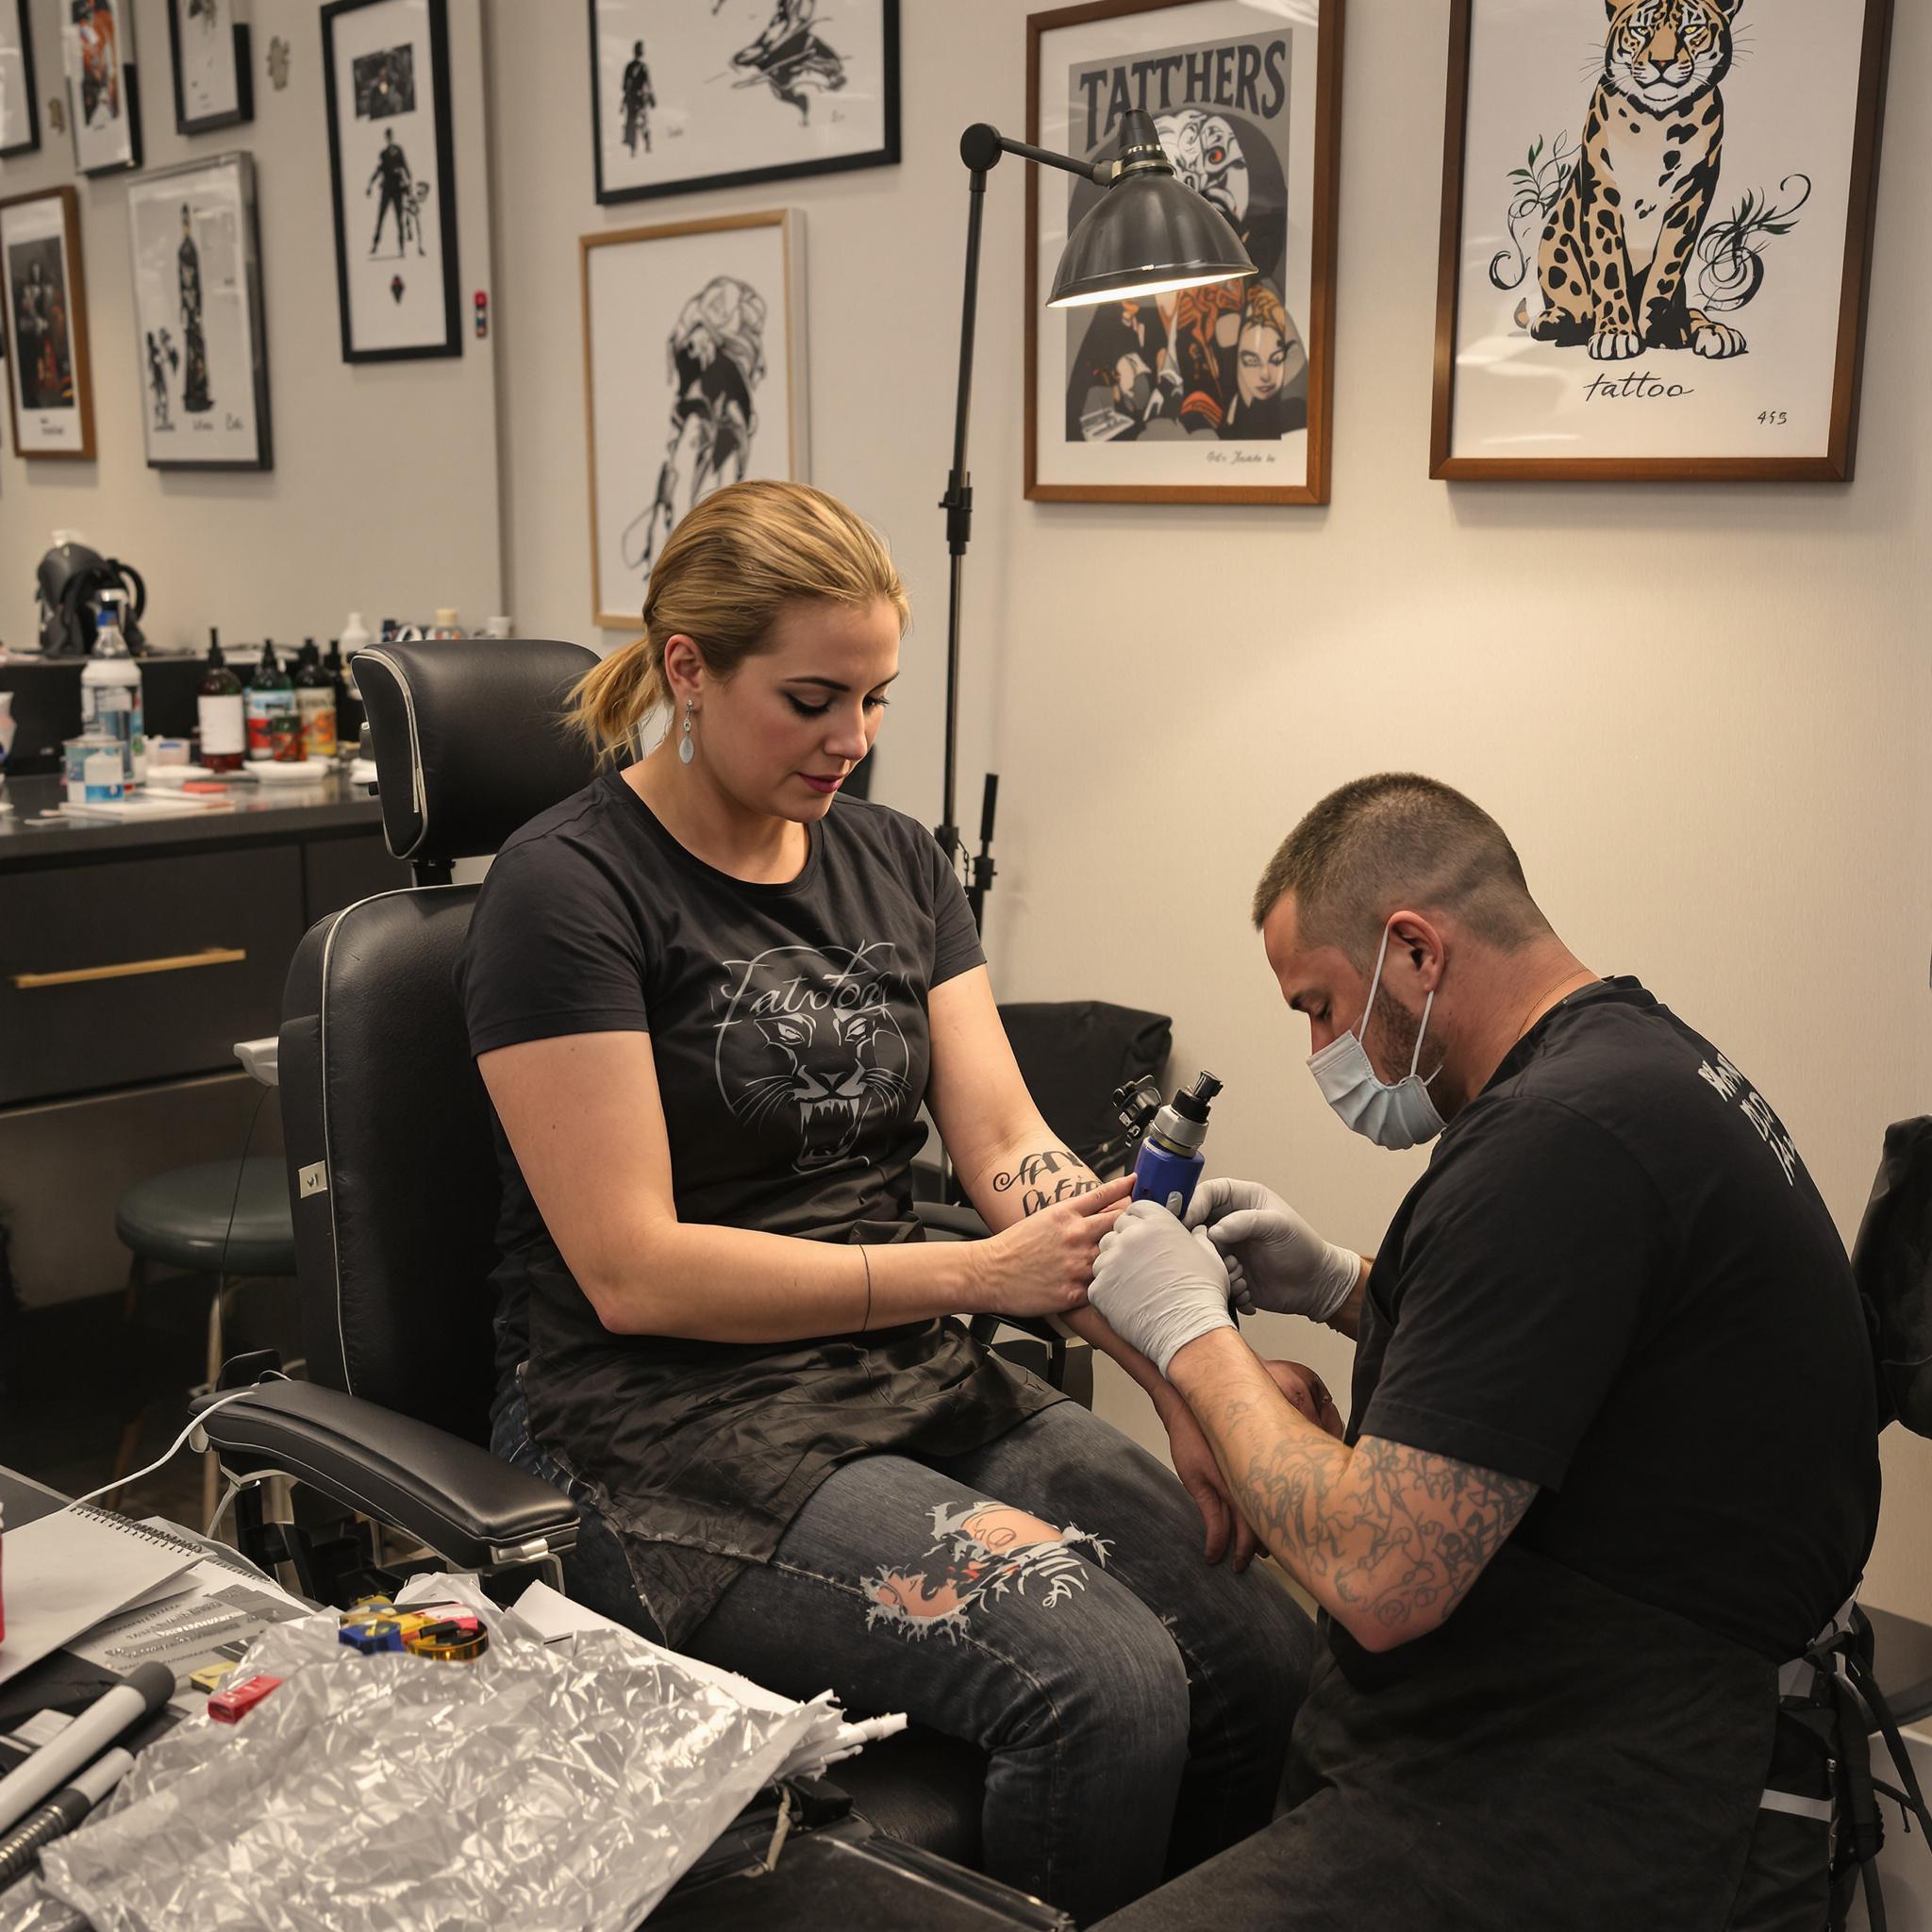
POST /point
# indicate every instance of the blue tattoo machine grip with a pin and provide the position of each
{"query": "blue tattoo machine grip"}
(1171, 1156)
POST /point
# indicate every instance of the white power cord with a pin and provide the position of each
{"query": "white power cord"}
(121, 1482)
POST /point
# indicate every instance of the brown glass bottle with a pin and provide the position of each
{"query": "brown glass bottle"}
(218, 706)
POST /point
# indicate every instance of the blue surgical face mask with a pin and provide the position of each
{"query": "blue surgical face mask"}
(1392, 1115)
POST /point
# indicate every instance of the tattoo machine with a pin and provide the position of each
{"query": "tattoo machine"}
(1172, 1135)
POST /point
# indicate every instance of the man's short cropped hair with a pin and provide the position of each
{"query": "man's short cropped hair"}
(1398, 839)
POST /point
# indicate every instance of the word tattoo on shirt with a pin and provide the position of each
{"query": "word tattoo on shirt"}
(1047, 1178)
(1729, 1082)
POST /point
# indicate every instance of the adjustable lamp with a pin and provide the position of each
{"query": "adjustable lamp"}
(1147, 235)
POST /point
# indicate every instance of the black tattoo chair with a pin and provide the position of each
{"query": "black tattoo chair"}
(393, 1176)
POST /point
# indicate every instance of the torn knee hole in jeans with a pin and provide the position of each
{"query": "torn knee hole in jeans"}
(980, 1550)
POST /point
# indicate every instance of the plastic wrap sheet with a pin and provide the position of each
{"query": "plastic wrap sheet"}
(567, 1787)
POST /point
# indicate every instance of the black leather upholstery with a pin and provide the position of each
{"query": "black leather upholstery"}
(394, 1254)
(467, 1506)
(468, 739)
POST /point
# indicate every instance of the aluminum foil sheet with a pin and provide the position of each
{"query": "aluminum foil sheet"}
(567, 1787)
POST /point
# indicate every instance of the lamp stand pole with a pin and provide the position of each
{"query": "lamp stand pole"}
(980, 148)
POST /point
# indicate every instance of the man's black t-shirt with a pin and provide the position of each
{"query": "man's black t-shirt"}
(1617, 1281)
(789, 1032)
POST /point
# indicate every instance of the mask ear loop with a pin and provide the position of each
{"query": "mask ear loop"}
(1361, 1032)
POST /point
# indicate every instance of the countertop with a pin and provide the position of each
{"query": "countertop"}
(261, 811)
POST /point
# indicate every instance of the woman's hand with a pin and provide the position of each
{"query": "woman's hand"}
(1042, 1265)
(1308, 1393)
(1200, 1475)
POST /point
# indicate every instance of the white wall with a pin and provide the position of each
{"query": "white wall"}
(384, 492)
(1703, 712)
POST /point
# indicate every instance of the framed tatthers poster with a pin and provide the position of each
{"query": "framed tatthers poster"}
(197, 316)
(214, 86)
(391, 164)
(19, 113)
(693, 378)
(1657, 224)
(711, 92)
(1219, 393)
(43, 307)
(103, 84)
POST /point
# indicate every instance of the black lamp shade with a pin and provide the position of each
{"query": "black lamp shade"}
(1148, 232)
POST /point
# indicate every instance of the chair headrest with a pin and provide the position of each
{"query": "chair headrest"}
(470, 738)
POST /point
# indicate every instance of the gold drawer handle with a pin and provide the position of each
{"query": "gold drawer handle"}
(133, 969)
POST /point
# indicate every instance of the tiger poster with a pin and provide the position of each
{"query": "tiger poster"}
(1188, 387)
(1650, 256)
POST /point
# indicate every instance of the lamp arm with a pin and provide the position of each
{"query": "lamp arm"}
(982, 145)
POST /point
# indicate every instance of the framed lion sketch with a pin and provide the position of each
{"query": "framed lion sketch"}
(1656, 228)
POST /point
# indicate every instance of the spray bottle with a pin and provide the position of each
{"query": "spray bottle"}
(1170, 1159)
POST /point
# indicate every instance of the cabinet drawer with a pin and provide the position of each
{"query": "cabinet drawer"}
(142, 969)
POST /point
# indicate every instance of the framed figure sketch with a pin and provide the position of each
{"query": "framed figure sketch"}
(1209, 394)
(214, 85)
(197, 316)
(43, 309)
(693, 378)
(19, 113)
(715, 93)
(391, 164)
(1657, 231)
(103, 84)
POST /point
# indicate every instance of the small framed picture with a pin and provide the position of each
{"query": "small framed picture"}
(19, 112)
(1213, 394)
(43, 307)
(103, 84)
(1653, 264)
(392, 167)
(200, 346)
(693, 378)
(729, 92)
(215, 83)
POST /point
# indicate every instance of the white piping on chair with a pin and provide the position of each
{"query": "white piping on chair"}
(329, 1152)
(419, 798)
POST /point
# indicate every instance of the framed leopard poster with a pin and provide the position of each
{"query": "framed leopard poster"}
(1656, 233)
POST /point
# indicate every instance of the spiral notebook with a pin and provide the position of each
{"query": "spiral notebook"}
(66, 1572)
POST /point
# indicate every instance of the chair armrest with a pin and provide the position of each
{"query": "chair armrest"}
(466, 1505)
(952, 1223)
(260, 1057)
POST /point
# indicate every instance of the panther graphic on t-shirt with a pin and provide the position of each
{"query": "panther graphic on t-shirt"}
(808, 1050)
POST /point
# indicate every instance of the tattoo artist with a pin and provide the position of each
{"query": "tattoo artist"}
(1612, 1453)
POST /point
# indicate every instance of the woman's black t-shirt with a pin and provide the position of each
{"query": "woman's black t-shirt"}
(789, 1032)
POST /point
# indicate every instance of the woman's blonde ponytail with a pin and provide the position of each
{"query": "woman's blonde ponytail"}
(737, 559)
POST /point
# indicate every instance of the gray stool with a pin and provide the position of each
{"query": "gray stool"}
(193, 1219)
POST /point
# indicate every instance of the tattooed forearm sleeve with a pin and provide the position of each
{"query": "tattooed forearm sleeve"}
(1388, 1539)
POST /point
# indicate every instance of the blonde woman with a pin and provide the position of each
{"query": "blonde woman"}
(708, 998)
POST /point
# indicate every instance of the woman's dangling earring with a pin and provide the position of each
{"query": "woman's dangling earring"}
(686, 749)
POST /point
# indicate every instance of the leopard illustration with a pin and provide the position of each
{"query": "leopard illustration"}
(1612, 260)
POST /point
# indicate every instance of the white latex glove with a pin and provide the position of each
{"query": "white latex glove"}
(1159, 1286)
(1275, 1260)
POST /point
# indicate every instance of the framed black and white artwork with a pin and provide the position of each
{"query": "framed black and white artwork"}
(103, 84)
(711, 93)
(1218, 393)
(393, 167)
(43, 311)
(19, 113)
(199, 340)
(1655, 238)
(214, 85)
(693, 378)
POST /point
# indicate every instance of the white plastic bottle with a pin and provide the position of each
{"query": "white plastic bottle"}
(111, 695)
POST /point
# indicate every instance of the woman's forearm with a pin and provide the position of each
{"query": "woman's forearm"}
(729, 1284)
